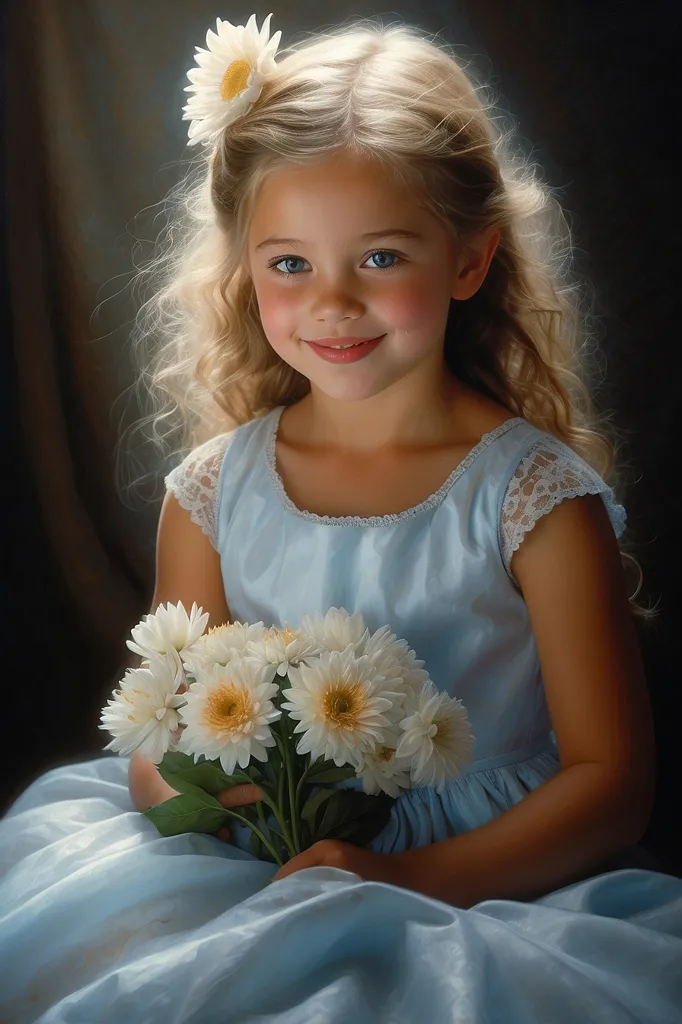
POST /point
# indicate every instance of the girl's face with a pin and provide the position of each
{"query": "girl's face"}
(340, 253)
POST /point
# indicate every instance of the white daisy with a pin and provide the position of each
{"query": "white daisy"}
(168, 631)
(284, 648)
(340, 705)
(437, 738)
(397, 663)
(336, 630)
(382, 771)
(221, 643)
(143, 714)
(229, 76)
(229, 712)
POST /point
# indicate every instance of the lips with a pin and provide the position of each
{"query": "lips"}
(339, 343)
(353, 349)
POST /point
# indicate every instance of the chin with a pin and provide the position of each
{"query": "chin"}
(349, 390)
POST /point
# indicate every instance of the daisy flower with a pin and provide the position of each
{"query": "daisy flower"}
(396, 662)
(283, 648)
(143, 714)
(221, 643)
(229, 76)
(382, 771)
(229, 713)
(336, 630)
(437, 738)
(340, 705)
(168, 631)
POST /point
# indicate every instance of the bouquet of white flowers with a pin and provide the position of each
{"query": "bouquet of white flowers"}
(219, 708)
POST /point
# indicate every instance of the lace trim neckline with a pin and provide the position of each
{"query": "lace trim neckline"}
(393, 517)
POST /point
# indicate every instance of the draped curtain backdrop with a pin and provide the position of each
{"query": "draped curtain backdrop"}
(93, 136)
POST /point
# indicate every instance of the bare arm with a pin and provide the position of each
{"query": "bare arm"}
(188, 570)
(187, 565)
(569, 570)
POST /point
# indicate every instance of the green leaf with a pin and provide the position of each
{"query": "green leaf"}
(193, 811)
(313, 805)
(206, 775)
(331, 773)
(174, 761)
(354, 816)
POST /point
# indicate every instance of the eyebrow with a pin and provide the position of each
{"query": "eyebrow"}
(386, 233)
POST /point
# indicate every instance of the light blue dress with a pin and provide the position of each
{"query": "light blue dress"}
(103, 921)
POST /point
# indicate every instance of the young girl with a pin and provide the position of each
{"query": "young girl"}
(374, 348)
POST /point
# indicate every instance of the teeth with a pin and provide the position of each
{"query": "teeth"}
(354, 345)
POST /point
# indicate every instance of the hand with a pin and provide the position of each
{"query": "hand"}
(238, 796)
(371, 867)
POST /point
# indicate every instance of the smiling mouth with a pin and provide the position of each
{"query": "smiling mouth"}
(343, 345)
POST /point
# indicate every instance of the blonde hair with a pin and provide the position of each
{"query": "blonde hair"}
(391, 94)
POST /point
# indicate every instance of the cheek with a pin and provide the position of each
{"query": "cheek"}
(276, 309)
(418, 306)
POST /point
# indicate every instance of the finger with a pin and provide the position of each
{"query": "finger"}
(239, 795)
(310, 858)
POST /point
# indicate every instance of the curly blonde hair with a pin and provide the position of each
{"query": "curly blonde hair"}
(394, 95)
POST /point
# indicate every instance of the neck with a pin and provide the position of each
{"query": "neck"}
(403, 415)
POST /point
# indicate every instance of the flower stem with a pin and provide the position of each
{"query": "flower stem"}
(292, 791)
(254, 828)
(277, 813)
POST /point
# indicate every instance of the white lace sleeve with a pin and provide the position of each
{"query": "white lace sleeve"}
(548, 474)
(195, 483)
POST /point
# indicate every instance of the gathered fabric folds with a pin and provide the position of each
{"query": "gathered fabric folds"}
(104, 921)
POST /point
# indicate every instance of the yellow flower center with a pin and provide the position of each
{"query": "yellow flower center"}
(235, 79)
(228, 707)
(342, 704)
(443, 730)
(386, 753)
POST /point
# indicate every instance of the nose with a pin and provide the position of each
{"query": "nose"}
(335, 301)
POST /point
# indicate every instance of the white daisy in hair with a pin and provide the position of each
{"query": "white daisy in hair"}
(437, 738)
(229, 76)
(336, 630)
(168, 631)
(340, 705)
(229, 712)
(284, 648)
(221, 643)
(144, 712)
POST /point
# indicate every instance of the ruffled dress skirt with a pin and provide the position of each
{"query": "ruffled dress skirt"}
(104, 921)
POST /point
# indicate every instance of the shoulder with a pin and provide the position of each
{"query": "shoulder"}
(546, 474)
(194, 482)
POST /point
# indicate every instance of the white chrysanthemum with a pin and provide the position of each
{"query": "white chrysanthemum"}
(340, 705)
(381, 771)
(437, 738)
(336, 630)
(284, 648)
(228, 713)
(168, 631)
(397, 663)
(143, 713)
(221, 643)
(229, 76)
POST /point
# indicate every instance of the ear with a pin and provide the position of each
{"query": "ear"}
(474, 263)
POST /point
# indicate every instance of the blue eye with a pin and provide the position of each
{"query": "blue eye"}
(378, 253)
(384, 253)
(286, 259)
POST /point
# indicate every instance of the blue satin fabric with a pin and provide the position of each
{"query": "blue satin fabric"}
(103, 920)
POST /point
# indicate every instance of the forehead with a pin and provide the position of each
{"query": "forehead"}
(341, 191)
